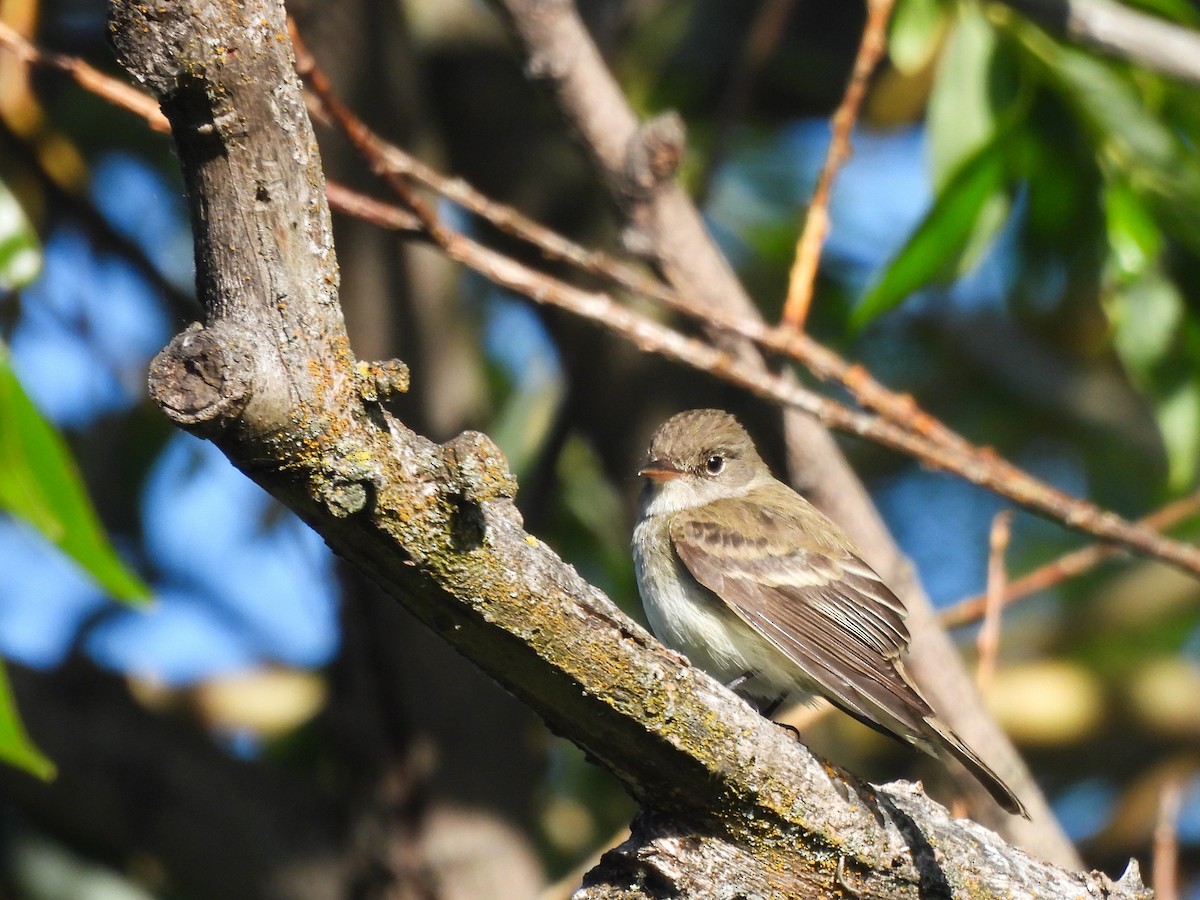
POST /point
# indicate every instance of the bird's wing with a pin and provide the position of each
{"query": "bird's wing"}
(801, 586)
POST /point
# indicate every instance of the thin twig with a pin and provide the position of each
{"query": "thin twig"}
(368, 209)
(988, 641)
(504, 218)
(90, 79)
(824, 363)
(363, 139)
(1070, 565)
(1166, 842)
(816, 223)
(123, 96)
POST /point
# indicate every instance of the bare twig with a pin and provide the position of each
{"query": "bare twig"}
(1068, 566)
(823, 363)
(988, 641)
(820, 360)
(87, 77)
(507, 219)
(816, 223)
(383, 215)
(653, 337)
(1166, 842)
(362, 138)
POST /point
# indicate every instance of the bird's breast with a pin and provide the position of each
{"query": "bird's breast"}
(688, 617)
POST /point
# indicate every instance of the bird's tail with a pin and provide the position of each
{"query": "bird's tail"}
(949, 742)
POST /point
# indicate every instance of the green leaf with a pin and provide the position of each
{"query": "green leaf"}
(1132, 143)
(1134, 239)
(40, 483)
(1179, 10)
(16, 748)
(1147, 315)
(962, 116)
(916, 33)
(946, 236)
(20, 253)
(1178, 417)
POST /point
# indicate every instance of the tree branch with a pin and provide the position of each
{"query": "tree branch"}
(269, 377)
(1118, 30)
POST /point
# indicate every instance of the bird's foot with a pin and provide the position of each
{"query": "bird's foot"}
(792, 728)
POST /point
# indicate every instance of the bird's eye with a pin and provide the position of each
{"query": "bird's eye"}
(714, 465)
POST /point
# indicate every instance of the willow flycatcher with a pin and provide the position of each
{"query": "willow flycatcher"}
(761, 590)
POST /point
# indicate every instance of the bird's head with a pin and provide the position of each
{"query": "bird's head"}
(699, 456)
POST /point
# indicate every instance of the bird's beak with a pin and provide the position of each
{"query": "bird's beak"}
(657, 470)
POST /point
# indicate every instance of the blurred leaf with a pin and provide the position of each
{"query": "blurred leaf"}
(1111, 108)
(915, 34)
(962, 115)
(40, 483)
(1060, 184)
(991, 218)
(1179, 10)
(1178, 416)
(1132, 142)
(940, 243)
(1133, 237)
(1147, 315)
(20, 253)
(524, 421)
(16, 748)
(594, 519)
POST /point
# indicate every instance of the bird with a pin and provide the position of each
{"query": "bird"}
(759, 588)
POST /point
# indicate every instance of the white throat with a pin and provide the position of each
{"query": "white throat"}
(667, 497)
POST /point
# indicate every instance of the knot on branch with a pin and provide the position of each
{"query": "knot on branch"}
(380, 381)
(199, 379)
(348, 481)
(477, 470)
(477, 473)
(654, 154)
(344, 495)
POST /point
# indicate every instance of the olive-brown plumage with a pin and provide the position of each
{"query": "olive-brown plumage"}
(759, 588)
